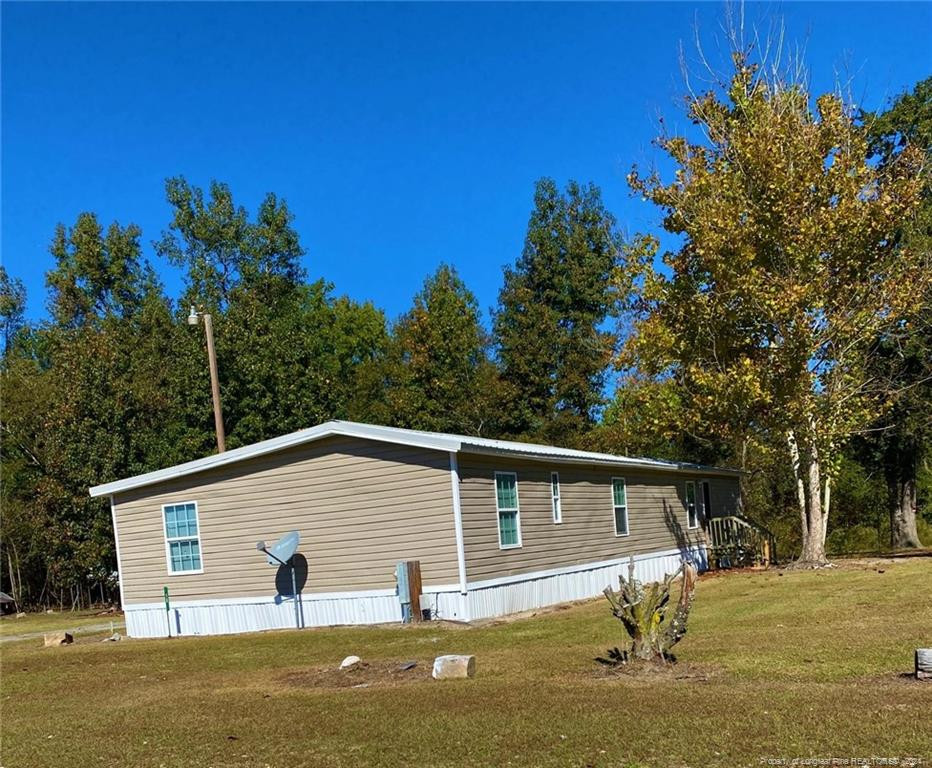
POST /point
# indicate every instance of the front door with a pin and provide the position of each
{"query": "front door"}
(705, 494)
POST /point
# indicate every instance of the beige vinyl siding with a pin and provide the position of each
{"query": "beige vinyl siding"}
(656, 514)
(360, 507)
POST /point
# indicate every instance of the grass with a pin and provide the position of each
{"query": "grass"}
(75, 622)
(798, 665)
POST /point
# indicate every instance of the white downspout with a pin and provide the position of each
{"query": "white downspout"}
(458, 522)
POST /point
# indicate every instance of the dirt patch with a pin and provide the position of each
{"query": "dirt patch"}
(650, 673)
(511, 618)
(899, 679)
(719, 573)
(366, 675)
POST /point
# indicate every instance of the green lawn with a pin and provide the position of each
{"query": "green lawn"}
(798, 665)
(75, 622)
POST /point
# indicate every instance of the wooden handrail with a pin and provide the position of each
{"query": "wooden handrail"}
(738, 540)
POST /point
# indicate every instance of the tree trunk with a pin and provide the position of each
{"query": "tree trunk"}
(813, 551)
(813, 510)
(903, 533)
(14, 589)
(797, 476)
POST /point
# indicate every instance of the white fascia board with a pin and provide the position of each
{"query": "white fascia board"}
(329, 429)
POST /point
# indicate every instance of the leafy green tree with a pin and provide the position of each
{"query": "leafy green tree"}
(117, 384)
(85, 402)
(12, 307)
(289, 353)
(222, 250)
(97, 273)
(649, 417)
(294, 363)
(552, 348)
(901, 440)
(788, 270)
(436, 370)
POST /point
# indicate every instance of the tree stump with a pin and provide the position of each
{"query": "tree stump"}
(924, 663)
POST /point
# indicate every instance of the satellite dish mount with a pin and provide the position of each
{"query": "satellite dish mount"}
(282, 553)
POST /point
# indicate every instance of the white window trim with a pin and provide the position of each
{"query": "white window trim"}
(556, 503)
(498, 511)
(168, 557)
(627, 506)
(695, 504)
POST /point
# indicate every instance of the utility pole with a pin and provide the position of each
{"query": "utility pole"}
(193, 319)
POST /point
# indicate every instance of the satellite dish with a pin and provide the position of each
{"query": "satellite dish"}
(283, 549)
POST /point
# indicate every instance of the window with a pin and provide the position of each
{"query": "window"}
(692, 513)
(506, 503)
(620, 502)
(555, 497)
(182, 540)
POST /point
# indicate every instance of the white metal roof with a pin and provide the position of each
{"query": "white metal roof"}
(432, 440)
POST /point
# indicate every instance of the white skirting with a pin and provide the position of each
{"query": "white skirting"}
(500, 597)
(228, 616)
(484, 599)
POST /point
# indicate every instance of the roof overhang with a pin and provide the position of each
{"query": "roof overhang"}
(329, 429)
(603, 460)
(413, 438)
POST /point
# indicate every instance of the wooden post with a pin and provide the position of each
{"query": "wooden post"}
(924, 663)
(414, 585)
(214, 384)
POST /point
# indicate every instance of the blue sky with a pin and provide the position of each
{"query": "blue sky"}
(400, 135)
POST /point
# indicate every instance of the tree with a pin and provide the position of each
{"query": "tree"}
(642, 612)
(12, 307)
(552, 349)
(96, 274)
(437, 368)
(901, 439)
(788, 271)
(246, 272)
(116, 383)
(289, 353)
(651, 417)
(221, 249)
(85, 401)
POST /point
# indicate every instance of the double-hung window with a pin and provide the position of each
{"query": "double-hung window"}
(182, 538)
(692, 511)
(506, 504)
(620, 504)
(555, 497)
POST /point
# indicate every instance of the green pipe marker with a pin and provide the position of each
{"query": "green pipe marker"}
(168, 617)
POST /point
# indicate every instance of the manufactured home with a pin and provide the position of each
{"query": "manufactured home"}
(498, 527)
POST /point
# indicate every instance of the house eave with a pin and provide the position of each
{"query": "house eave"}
(413, 438)
(329, 429)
